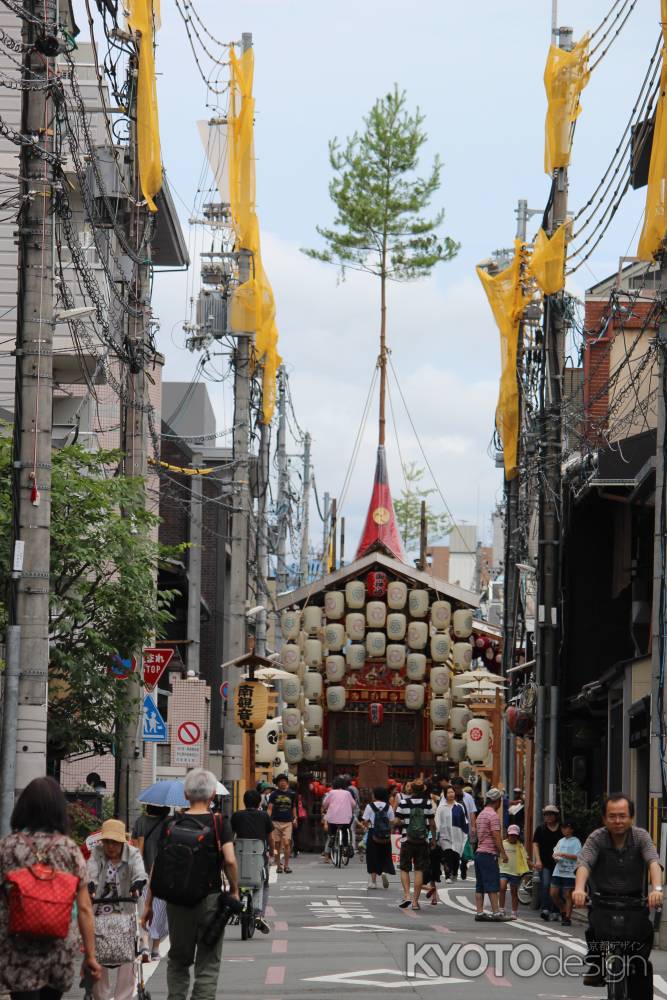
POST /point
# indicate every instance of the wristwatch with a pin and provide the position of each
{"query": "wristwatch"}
(656, 888)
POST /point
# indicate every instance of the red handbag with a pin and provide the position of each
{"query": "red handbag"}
(40, 899)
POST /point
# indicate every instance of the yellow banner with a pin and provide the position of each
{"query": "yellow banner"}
(565, 76)
(141, 18)
(655, 215)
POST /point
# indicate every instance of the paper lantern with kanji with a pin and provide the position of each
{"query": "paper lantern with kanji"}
(355, 626)
(334, 604)
(336, 698)
(313, 685)
(414, 696)
(462, 656)
(334, 637)
(418, 603)
(439, 647)
(462, 623)
(376, 644)
(397, 595)
(416, 667)
(291, 721)
(395, 656)
(441, 615)
(290, 624)
(457, 748)
(376, 713)
(439, 709)
(417, 635)
(312, 747)
(313, 652)
(439, 680)
(293, 750)
(355, 594)
(376, 614)
(396, 626)
(376, 584)
(291, 689)
(459, 718)
(290, 657)
(251, 705)
(335, 669)
(439, 742)
(266, 741)
(355, 655)
(478, 740)
(313, 717)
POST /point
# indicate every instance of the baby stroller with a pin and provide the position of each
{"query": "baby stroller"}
(252, 861)
(118, 939)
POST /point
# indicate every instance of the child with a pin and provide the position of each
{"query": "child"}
(512, 869)
(566, 852)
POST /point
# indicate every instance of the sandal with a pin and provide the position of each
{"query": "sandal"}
(429, 893)
(287, 871)
(434, 901)
(416, 906)
(405, 903)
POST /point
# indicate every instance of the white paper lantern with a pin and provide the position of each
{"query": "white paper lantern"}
(376, 644)
(313, 653)
(293, 751)
(462, 622)
(439, 647)
(313, 717)
(396, 626)
(355, 656)
(355, 626)
(313, 685)
(439, 742)
(414, 696)
(439, 710)
(458, 688)
(462, 656)
(416, 666)
(397, 594)
(334, 604)
(457, 748)
(312, 619)
(355, 594)
(334, 637)
(266, 741)
(376, 614)
(478, 740)
(290, 625)
(417, 634)
(291, 689)
(335, 669)
(291, 721)
(290, 657)
(418, 603)
(441, 615)
(459, 718)
(336, 698)
(312, 747)
(395, 656)
(439, 680)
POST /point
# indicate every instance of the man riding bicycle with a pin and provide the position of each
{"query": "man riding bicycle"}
(614, 860)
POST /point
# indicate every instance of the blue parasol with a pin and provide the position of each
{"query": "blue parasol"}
(169, 792)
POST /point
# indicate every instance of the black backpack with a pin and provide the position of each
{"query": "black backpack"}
(182, 870)
(381, 830)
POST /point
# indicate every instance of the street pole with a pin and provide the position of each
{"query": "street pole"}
(305, 518)
(283, 502)
(262, 541)
(548, 667)
(232, 756)
(135, 433)
(325, 533)
(29, 603)
(194, 568)
(10, 700)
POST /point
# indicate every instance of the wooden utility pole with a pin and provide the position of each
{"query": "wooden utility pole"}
(305, 517)
(135, 435)
(232, 761)
(549, 515)
(423, 536)
(29, 604)
(194, 567)
(283, 484)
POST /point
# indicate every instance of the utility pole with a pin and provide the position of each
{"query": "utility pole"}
(129, 760)
(548, 667)
(305, 517)
(28, 637)
(194, 568)
(325, 532)
(262, 541)
(283, 482)
(232, 760)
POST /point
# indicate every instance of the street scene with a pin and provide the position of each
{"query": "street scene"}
(333, 503)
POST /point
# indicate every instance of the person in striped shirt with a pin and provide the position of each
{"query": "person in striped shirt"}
(415, 817)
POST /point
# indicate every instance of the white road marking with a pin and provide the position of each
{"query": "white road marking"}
(660, 983)
(356, 928)
(368, 977)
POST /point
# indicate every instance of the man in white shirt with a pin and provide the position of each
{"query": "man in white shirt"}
(471, 812)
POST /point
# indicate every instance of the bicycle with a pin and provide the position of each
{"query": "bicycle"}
(525, 888)
(340, 853)
(615, 957)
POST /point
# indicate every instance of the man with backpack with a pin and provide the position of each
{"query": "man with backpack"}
(415, 816)
(194, 848)
(378, 818)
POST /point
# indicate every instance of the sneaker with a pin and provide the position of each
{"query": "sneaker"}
(544, 914)
(262, 926)
(514, 915)
(566, 922)
(279, 869)
(372, 885)
(498, 915)
(553, 917)
(483, 916)
(385, 881)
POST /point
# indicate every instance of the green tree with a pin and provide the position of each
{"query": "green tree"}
(103, 595)
(408, 510)
(380, 226)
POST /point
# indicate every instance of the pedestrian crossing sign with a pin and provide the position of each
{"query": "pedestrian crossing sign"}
(155, 728)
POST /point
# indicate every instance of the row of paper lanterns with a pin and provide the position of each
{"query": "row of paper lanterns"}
(376, 615)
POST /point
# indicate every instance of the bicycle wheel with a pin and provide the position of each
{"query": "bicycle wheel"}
(337, 850)
(346, 854)
(525, 889)
(616, 976)
(247, 916)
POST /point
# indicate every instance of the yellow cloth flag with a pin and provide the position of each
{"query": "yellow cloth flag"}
(140, 18)
(253, 306)
(655, 215)
(565, 76)
(508, 301)
(547, 264)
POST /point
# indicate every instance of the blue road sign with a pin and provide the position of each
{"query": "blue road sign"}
(155, 728)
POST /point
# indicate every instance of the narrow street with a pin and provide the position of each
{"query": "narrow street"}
(330, 934)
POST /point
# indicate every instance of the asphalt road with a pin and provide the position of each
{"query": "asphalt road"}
(331, 938)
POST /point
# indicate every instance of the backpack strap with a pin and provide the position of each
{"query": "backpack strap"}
(217, 829)
(373, 807)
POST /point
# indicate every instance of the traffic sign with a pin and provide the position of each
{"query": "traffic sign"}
(189, 733)
(156, 661)
(224, 690)
(155, 728)
(121, 667)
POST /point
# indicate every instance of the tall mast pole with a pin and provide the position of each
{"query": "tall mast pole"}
(382, 360)
(283, 501)
(305, 518)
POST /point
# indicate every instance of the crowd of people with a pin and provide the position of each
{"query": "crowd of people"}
(60, 909)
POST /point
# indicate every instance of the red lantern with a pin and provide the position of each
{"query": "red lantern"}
(376, 713)
(376, 584)
(511, 715)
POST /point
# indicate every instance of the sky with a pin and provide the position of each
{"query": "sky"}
(475, 70)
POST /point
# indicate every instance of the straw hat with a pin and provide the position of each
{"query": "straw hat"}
(113, 829)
